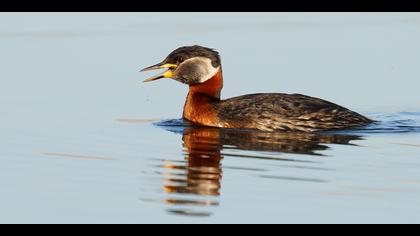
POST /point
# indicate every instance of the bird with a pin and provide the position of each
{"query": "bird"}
(201, 69)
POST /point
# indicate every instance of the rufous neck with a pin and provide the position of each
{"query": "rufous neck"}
(211, 88)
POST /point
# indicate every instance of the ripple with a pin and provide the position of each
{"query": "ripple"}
(388, 123)
(188, 212)
(259, 157)
(68, 155)
(397, 122)
(293, 178)
(407, 144)
(136, 121)
(185, 202)
(196, 179)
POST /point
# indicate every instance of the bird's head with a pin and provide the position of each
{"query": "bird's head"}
(190, 65)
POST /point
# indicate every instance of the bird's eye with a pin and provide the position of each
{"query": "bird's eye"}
(180, 59)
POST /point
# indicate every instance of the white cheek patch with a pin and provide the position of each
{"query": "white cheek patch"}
(204, 70)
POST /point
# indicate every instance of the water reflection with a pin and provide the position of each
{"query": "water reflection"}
(195, 182)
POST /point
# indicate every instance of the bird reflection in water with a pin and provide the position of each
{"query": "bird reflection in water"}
(199, 176)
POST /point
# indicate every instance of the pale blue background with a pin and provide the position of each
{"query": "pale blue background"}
(66, 78)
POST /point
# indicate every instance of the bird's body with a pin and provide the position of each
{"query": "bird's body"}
(264, 111)
(282, 112)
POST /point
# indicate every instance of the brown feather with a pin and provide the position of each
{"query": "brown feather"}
(266, 111)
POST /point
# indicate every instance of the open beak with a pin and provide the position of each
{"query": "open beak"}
(162, 65)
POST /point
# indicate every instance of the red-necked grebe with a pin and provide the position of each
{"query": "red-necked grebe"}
(200, 68)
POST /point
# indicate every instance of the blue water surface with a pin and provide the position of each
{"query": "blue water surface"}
(84, 141)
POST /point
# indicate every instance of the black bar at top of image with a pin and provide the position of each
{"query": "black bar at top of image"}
(208, 5)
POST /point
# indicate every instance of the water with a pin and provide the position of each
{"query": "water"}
(84, 141)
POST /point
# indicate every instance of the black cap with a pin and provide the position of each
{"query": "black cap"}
(183, 53)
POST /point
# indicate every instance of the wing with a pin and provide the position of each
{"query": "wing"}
(275, 111)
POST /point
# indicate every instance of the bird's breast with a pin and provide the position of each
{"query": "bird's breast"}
(201, 109)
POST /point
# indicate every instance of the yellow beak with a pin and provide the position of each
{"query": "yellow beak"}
(166, 74)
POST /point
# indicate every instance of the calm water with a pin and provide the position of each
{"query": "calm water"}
(84, 141)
